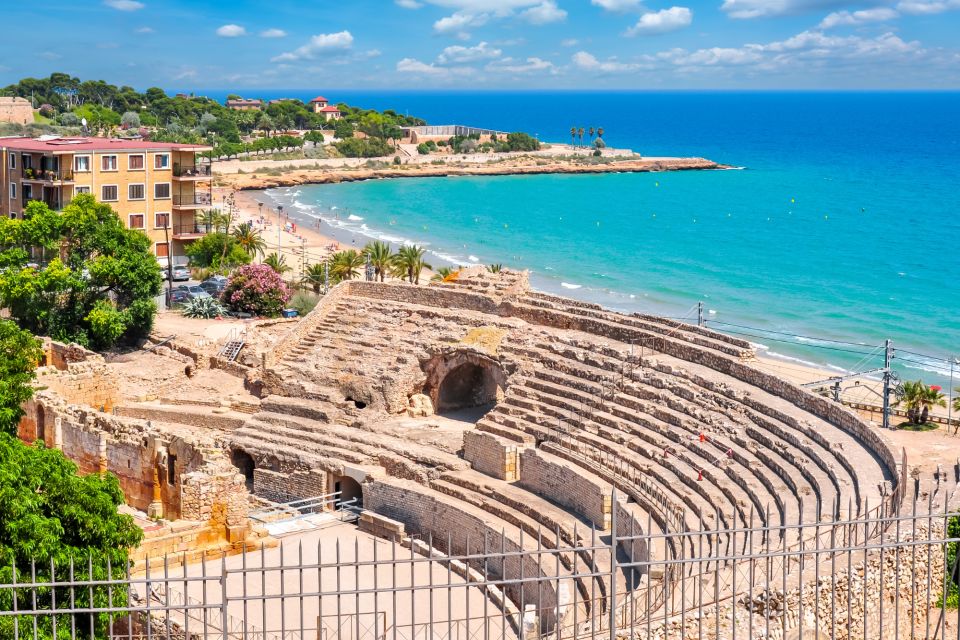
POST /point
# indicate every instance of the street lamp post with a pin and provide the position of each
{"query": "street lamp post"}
(953, 360)
(279, 227)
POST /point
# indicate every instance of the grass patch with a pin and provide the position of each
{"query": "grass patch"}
(909, 426)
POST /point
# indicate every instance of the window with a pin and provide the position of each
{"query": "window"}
(161, 161)
(136, 221)
(135, 162)
(13, 190)
(83, 190)
(109, 193)
(135, 192)
(161, 191)
(26, 161)
(27, 192)
(171, 469)
(13, 161)
(81, 163)
(109, 163)
(161, 220)
(162, 250)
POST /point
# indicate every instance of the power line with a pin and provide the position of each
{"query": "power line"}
(791, 342)
(793, 335)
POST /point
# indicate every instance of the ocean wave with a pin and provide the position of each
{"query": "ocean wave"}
(354, 218)
(472, 258)
(567, 285)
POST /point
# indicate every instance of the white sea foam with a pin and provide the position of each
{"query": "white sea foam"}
(567, 285)
(354, 218)
(473, 258)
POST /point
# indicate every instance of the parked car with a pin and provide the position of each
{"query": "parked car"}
(213, 287)
(181, 273)
(195, 290)
(179, 297)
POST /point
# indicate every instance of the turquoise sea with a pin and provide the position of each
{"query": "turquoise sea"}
(842, 230)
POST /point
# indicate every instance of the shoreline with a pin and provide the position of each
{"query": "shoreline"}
(256, 180)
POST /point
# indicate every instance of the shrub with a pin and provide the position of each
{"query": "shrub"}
(423, 149)
(396, 160)
(256, 289)
(204, 308)
(304, 303)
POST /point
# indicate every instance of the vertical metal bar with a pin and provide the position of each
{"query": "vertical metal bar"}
(203, 594)
(913, 569)
(816, 579)
(450, 587)
(300, 565)
(929, 563)
(733, 575)
(612, 606)
(225, 599)
(283, 593)
(186, 596)
(73, 597)
(393, 584)
(356, 584)
(376, 594)
(430, 613)
(849, 544)
(833, 580)
(752, 573)
(263, 591)
(716, 573)
(700, 578)
(33, 597)
(243, 568)
(338, 564)
(768, 569)
(866, 567)
(800, 567)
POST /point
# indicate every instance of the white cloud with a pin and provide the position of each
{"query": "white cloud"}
(530, 65)
(589, 62)
(662, 21)
(459, 22)
(855, 18)
(408, 4)
(459, 54)
(618, 5)
(569, 42)
(544, 13)
(273, 33)
(746, 9)
(231, 31)
(145, 30)
(124, 5)
(927, 7)
(412, 65)
(323, 42)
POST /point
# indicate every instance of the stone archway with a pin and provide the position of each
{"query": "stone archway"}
(244, 462)
(463, 380)
(347, 489)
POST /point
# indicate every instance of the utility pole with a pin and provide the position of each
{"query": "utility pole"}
(953, 360)
(887, 379)
(700, 314)
(326, 277)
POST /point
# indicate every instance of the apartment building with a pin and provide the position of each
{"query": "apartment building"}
(158, 188)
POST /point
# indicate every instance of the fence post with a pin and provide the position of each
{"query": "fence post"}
(612, 612)
(223, 597)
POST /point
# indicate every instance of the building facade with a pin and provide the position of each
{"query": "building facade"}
(158, 188)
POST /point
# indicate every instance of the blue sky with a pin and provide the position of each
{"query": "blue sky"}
(489, 44)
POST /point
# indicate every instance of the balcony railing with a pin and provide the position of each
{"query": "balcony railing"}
(48, 175)
(193, 200)
(198, 171)
(187, 229)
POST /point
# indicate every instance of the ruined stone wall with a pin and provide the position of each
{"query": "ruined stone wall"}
(306, 325)
(218, 497)
(276, 486)
(632, 527)
(16, 110)
(78, 376)
(555, 480)
(491, 455)
(452, 526)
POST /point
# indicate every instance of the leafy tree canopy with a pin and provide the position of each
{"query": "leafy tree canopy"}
(96, 280)
(19, 354)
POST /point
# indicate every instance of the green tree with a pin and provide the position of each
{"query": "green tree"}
(408, 262)
(97, 291)
(19, 354)
(918, 399)
(218, 251)
(573, 136)
(55, 524)
(314, 276)
(380, 256)
(342, 129)
(277, 263)
(249, 239)
(346, 265)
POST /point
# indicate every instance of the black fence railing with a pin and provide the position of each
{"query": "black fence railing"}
(197, 171)
(191, 228)
(193, 199)
(48, 175)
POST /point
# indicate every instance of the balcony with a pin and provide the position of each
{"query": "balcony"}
(47, 175)
(196, 172)
(190, 231)
(192, 201)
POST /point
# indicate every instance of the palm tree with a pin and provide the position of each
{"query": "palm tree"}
(573, 136)
(250, 240)
(313, 277)
(346, 265)
(380, 256)
(580, 133)
(600, 132)
(214, 220)
(918, 399)
(495, 268)
(443, 273)
(277, 263)
(408, 262)
(591, 135)
(956, 399)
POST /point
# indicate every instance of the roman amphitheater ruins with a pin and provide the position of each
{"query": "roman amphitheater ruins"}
(481, 419)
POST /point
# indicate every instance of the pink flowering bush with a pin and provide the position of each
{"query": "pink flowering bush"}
(256, 289)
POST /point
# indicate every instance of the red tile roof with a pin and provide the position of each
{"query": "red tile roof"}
(74, 145)
(319, 99)
(330, 110)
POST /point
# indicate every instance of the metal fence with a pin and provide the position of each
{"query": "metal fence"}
(880, 576)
